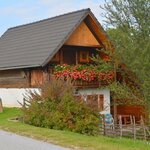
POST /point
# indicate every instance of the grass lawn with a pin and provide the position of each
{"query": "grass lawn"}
(67, 139)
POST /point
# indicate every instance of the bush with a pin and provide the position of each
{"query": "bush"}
(57, 108)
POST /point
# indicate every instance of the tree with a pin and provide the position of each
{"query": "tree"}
(128, 25)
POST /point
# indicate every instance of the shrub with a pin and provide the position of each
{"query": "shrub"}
(57, 108)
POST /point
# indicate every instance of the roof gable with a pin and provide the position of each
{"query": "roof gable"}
(31, 45)
(34, 44)
(82, 36)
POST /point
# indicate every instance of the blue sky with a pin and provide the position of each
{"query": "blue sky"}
(17, 12)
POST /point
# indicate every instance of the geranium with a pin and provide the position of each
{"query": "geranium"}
(83, 72)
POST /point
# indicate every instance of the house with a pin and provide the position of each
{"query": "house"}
(27, 53)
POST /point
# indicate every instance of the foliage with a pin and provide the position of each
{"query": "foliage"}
(84, 72)
(125, 91)
(57, 108)
(65, 138)
(125, 95)
(128, 26)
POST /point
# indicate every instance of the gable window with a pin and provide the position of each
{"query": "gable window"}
(84, 56)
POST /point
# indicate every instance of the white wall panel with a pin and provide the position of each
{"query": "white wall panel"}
(10, 96)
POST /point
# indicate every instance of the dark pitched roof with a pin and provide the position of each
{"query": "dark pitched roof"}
(34, 44)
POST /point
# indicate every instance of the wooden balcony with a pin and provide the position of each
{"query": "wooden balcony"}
(86, 84)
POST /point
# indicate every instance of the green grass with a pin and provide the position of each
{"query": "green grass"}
(65, 138)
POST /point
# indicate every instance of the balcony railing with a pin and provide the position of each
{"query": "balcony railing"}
(84, 76)
(80, 83)
(92, 84)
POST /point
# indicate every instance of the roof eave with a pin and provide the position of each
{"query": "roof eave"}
(88, 12)
(19, 67)
(102, 30)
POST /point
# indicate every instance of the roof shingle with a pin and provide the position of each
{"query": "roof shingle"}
(33, 44)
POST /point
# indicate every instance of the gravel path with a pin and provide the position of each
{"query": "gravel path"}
(10, 141)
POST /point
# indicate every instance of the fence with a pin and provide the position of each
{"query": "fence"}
(133, 130)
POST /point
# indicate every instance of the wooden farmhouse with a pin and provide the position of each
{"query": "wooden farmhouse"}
(29, 52)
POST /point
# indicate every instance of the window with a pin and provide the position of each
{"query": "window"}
(93, 53)
(92, 100)
(84, 56)
(96, 101)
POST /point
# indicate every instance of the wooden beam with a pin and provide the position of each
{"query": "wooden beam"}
(98, 32)
(90, 26)
(77, 57)
(61, 56)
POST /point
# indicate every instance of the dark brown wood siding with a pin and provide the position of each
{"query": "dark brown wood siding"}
(14, 79)
(39, 76)
(134, 110)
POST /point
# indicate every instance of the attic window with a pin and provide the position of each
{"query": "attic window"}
(84, 56)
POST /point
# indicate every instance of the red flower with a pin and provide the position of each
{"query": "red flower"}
(86, 74)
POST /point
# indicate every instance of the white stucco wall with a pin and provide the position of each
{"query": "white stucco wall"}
(105, 92)
(10, 96)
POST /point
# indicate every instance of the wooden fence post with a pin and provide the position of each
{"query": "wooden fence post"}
(104, 127)
(134, 127)
(120, 125)
(144, 129)
(1, 106)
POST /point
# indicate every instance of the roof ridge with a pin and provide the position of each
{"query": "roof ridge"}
(18, 26)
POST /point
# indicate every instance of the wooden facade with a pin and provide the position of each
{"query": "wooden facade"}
(134, 110)
(78, 49)
(74, 55)
(82, 36)
(33, 77)
(81, 45)
(14, 78)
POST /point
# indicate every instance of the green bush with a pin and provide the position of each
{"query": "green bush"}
(57, 108)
